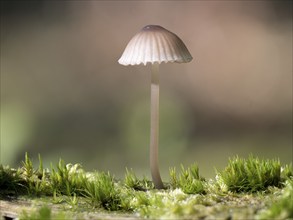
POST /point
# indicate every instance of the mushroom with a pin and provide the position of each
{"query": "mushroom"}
(154, 44)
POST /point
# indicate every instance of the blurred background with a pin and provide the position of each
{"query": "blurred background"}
(64, 95)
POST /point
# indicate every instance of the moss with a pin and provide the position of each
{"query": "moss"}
(101, 191)
(283, 207)
(36, 180)
(188, 180)
(287, 172)
(11, 183)
(67, 179)
(245, 189)
(133, 182)
(44, 213)
(250, 175)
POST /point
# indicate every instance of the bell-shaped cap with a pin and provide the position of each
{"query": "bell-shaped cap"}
(155, 44)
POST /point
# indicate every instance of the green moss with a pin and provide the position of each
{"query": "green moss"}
(245, 189)
(67, 179)
(35, 179)
(101, 191)
(287, 172)
(43, 213)
(283, 207)
(133, 182)
(188, 180)
(11, 182)
(250, 175)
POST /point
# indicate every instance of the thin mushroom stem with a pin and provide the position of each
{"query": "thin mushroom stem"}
(154, 139)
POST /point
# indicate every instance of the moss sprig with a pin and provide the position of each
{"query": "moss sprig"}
(131, 181)
(250, 175)
(101, 192)
(188, 180)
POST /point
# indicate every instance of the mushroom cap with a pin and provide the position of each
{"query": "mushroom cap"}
(155, 44)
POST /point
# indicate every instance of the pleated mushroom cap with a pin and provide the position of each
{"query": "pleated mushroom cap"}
(155, 44)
